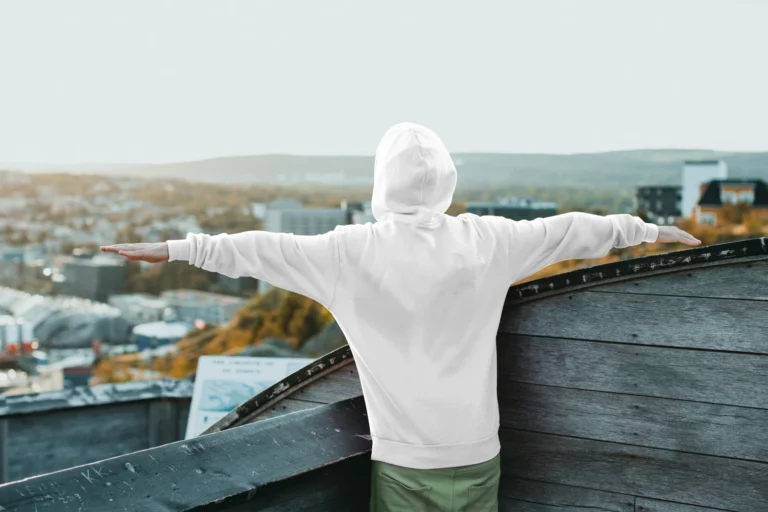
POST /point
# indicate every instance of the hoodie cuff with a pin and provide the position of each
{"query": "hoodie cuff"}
(651, 233)
(178, 250)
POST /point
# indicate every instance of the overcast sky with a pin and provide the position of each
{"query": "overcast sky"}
(158, 81)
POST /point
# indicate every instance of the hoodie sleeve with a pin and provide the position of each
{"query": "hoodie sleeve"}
(304, 264)
(533, 245)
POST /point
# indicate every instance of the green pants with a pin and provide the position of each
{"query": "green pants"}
(472, 488)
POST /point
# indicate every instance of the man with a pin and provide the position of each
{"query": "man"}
(418, 296)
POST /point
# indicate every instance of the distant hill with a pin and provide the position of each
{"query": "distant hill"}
(620, 169)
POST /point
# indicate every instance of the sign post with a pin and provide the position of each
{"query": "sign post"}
(224, 382)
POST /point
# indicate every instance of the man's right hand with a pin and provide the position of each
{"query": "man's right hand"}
(151, 252)
(675, 235)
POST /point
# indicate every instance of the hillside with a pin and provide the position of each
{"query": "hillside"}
(615, 170)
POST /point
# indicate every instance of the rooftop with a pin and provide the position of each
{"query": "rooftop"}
(711, 196)
(702, 162)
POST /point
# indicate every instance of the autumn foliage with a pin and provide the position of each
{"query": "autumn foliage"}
(274, 314)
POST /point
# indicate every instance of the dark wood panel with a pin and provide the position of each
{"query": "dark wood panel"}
(4, 477)
(696, 427)
(339, 487)
(646, 505)
(286, 406)
(62, 439)
(211, 471)
(521, 495)
(182, 416)
(753, 249)
(162, 423)
(715, 324)
(660, 474)
(737, 281)
(715, 377)
(340, 385)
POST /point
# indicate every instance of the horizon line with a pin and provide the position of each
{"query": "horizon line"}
(6, 166)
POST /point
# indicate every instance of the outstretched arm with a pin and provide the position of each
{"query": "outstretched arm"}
(308, 265)
(533, 245)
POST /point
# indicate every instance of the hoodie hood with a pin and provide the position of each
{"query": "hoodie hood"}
(413, 177)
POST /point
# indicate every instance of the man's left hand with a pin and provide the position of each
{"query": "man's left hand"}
(151, 253)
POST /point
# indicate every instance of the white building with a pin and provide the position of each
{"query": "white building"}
(140, 308)
(211, 308)
(303, 221)
(695, 175)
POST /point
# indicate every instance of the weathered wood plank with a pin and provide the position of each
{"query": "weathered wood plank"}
(521, 495)
(342, 384)
(737, 281)
(744, 250)
(715, 377)
(286, 406)
(694, 427)
(660, 474)
(161, 423)
(339, 487)
(714, 324)
(226, 468)
(4, 477)
(68, 438)
(646, 505)
(182, 416)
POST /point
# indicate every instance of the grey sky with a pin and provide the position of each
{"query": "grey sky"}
(155, 81)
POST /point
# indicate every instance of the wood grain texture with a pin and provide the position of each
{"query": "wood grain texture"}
(72, 437)
(340, 487)
(340, 385)
(161, 422)
(521, 495)
(659, 474)
(715, 377)
(693, 427)
(4, 477)
(737, 281)
(210, 472)
(688, 322)
(646, 505)
(753, 249)
(286, 406)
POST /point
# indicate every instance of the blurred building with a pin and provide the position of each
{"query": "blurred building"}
(259, 210)
(358, 212)
(661, 204)
(514, 208)
(716, 194)
(92, 278)
(193, 305)
(237, 284)
(695, 175)
(293, 218)
(140, 308)
(61, 322)
(156, 334)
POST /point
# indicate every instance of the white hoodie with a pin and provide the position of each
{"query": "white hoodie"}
(418, 295)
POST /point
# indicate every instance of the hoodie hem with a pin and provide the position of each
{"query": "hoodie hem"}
(435, 456)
